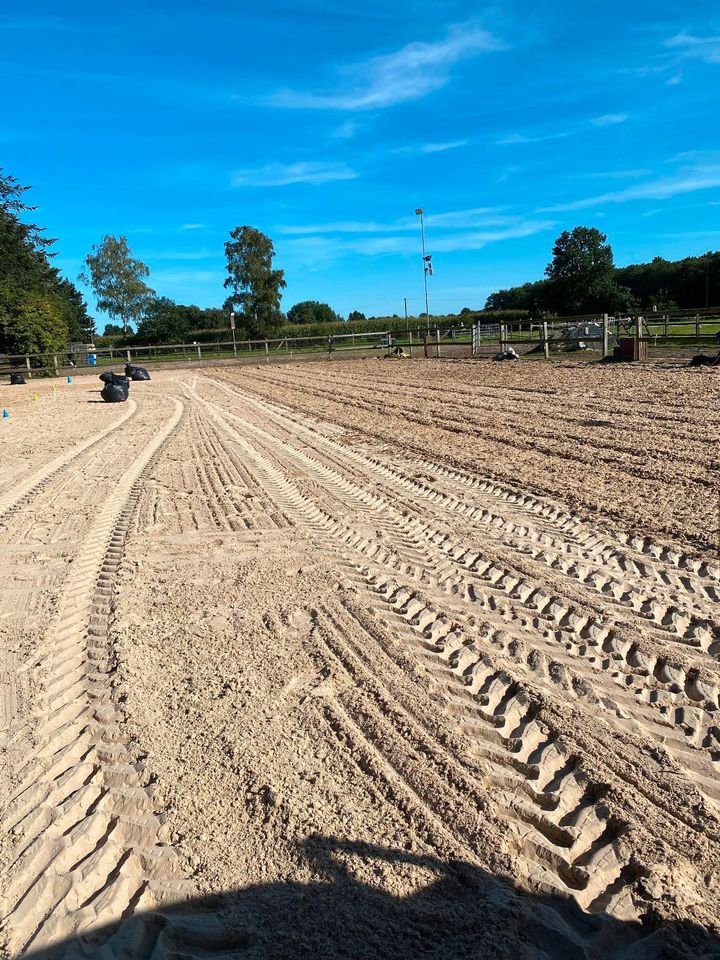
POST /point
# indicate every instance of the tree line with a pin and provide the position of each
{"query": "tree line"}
(582, 278)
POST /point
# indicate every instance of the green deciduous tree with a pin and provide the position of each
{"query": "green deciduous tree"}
(39, 309)
(118, 281)
(112, 330)
(582, 274)
(164, 322)
(35, 324)
(255, 286)
(356, 316)
(311, 311)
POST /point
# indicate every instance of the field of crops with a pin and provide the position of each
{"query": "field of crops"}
(369, 659)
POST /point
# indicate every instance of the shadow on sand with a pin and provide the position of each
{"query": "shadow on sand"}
(456, 911)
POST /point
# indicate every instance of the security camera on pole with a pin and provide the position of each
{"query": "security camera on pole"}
(427, 265)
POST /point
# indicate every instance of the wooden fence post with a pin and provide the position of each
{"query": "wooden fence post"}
(697, 324)
(410, 343)
(437, 336)
(199, 351)
(55, 364)
(605, 337)
(546, 342)
(665, 320)
(267, 353)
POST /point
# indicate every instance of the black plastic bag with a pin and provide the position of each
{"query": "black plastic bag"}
(111, 377)
(116, 388)
(16, 379)
(702, 360)
(136, 373)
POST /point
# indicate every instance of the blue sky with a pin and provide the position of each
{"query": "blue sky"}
(326, 124)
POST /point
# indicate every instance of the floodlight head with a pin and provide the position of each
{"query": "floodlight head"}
(418, 212)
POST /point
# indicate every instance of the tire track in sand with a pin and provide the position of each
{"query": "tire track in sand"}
(608, 648)
(88, 839)
(593, 864)
(582, 639)
(13, 500)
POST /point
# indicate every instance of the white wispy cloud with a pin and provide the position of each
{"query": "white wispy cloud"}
(541, 136)
(615, 174)
(282, 174)
(346, 131)
(318, 248)
(412, 72)
(519, 138)
(473, 218)
(702, 176)
(696, 48)
(337, 226)
(442, 147)
(673, 53)
(469, 218)
(192, 226)
(609, 119)
(416, 149)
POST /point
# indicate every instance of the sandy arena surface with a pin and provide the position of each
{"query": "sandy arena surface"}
(365, 659)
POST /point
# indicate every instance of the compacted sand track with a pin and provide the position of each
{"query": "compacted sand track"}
(366, 659)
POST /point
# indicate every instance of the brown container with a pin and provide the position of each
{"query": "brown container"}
(630, 348)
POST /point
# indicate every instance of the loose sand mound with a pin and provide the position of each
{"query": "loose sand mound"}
(364, 660)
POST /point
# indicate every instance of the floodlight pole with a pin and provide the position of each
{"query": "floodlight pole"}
(232, 327)
(419, 213)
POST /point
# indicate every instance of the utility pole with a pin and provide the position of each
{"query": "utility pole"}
(427, 265)
(406, 316)
(232, 327)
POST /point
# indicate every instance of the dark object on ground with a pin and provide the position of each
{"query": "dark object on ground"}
(508, 354)
(111, 377)
(702, 360)
(16, 379)
(136, 373)
(116, 388)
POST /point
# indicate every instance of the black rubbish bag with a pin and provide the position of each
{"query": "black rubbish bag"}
(111, 377)
(702, 360)
(136, 373)
(16, 379)
(116, 388)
